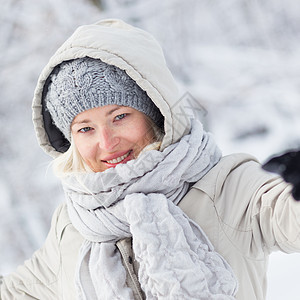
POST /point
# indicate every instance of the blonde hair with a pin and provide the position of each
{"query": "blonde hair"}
(71, 162)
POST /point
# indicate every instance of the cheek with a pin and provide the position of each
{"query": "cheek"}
(86, 151)
(144, 135)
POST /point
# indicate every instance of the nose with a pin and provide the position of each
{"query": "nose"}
(108, 138)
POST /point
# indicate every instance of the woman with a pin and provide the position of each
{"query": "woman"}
(147, 191)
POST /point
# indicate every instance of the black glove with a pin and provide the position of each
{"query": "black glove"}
(287, 165)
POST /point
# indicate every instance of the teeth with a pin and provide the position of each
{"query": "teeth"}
(118, 159)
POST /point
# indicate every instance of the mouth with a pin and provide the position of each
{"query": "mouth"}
(117, 160)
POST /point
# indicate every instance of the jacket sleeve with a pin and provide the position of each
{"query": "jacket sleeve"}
(278, 217)
(263, 208)
(37, 278)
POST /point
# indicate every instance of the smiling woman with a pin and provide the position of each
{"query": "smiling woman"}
(112, 121)
(109, 135)
(152, 210)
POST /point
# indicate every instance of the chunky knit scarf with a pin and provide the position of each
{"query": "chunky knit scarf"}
(138, 199)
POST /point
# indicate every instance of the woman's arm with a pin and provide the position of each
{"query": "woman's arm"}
(37, 278)
(279, 218)
(253, 200)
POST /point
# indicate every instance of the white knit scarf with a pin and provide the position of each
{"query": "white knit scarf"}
(139, 200)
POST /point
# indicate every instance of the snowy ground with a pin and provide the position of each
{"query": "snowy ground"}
(240, 59)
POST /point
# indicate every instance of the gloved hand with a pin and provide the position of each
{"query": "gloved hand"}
(287, 165)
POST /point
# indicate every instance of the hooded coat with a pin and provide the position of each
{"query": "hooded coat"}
(246, 212)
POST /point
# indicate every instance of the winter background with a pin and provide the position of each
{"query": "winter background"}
(239, 58)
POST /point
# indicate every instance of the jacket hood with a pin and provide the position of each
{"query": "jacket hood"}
(128, 48)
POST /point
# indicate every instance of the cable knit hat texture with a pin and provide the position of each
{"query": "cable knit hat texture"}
(84, 83)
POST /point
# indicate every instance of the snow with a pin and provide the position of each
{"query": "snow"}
(240, 59)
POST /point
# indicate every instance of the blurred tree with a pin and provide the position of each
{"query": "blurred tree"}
(98, 3)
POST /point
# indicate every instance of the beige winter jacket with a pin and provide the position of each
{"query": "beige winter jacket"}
(246, 212)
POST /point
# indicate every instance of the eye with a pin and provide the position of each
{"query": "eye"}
(120, 117)
(85, 129)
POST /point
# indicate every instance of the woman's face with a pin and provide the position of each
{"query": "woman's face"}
(110, 135)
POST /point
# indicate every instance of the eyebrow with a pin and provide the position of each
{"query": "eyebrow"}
(80, 122)
(113, 110)
(88, 120)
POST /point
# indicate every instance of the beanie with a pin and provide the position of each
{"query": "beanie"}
(84, 83)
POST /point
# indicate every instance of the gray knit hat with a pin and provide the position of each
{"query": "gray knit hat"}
(84, 83)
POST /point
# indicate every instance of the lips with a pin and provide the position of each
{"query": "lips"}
(118, 159)
(121, 158)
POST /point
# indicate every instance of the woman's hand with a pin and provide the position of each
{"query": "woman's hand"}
(287, 165)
